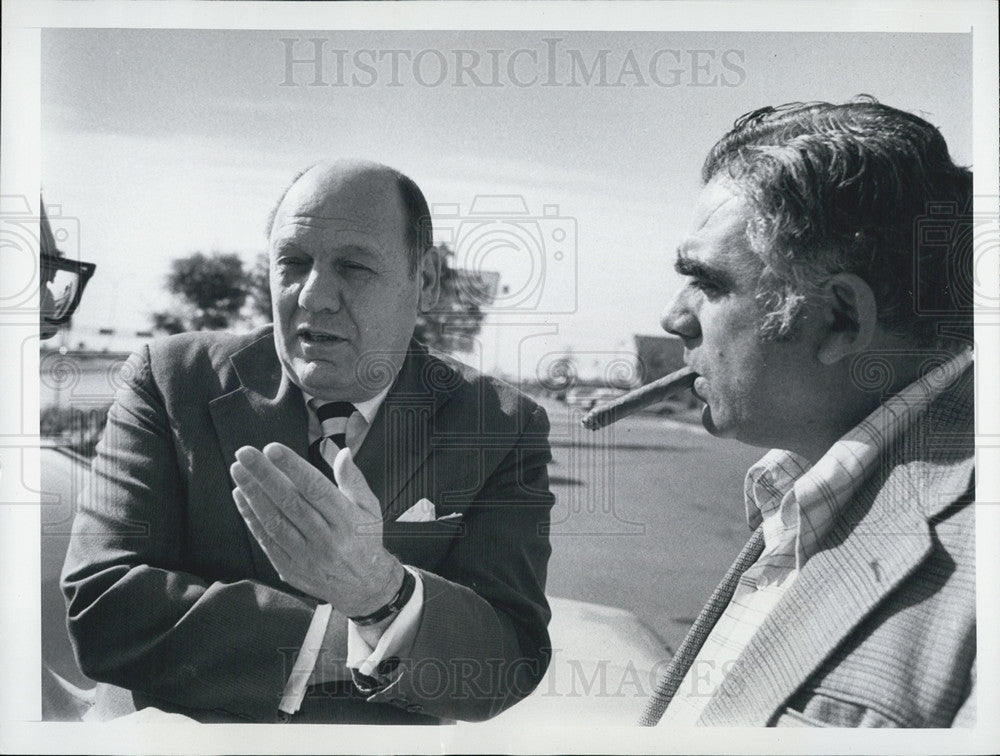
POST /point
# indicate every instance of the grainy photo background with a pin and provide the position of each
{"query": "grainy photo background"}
(158, 143)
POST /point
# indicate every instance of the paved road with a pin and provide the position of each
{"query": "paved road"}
(649, 514)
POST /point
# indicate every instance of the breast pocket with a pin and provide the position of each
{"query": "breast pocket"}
(825, 711)
(792, 718)
(422, 544)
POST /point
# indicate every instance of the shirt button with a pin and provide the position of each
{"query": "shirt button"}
(415, 708)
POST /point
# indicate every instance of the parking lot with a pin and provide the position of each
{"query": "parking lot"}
(649, 514)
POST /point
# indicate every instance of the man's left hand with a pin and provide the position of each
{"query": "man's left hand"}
(324, 540)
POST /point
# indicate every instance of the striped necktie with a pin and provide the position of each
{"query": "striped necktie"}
(333, 419)
(695, 638)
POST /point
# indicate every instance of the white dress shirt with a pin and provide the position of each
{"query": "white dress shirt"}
(796, 505)
(396, 636)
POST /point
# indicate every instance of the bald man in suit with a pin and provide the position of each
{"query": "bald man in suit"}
(319, 521)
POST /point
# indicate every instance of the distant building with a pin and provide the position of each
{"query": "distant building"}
(658, 355)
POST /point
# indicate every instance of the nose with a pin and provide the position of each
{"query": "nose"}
(680, 318)
(321, 291)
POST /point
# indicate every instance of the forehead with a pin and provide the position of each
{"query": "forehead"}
(718, 234)
(353, 210)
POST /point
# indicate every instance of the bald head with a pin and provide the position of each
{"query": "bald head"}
(347, 282)
(363, 189)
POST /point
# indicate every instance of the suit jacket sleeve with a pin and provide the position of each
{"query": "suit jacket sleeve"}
(137, 617)
(482, 643)
(966, 714)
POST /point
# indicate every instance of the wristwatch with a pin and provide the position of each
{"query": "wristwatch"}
(394, 607)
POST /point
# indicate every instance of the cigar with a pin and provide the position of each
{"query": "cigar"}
(644, 396)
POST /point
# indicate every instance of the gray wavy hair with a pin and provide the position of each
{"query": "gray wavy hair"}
(847, 188)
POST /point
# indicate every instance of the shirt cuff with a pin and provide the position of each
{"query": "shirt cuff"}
(396, 637)
(295, 687)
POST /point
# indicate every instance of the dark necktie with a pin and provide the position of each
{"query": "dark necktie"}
(333, 417)
(695, 638)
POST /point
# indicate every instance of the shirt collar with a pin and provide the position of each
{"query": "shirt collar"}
(792, 499)
(768, 481)
(356, 431)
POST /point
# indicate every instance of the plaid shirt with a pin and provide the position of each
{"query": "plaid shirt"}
(795, 505)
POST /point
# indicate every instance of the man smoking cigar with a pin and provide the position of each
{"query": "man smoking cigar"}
(822, 320)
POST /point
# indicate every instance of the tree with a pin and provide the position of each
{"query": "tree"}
(259, 287)
(210, 290)
(166, 322)
(454, 323)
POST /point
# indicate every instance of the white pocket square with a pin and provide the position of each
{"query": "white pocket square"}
(422, 511)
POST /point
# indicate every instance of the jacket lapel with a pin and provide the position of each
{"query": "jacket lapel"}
(871, 549)
(266, 407)
(400, 438)
(835, 591)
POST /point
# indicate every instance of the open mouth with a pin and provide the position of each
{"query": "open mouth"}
(313, 336)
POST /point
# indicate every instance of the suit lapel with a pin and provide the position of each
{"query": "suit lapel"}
(879, 541)
(400, 438)
(266, 407)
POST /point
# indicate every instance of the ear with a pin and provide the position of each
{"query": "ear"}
(430, 278)
(850, 315)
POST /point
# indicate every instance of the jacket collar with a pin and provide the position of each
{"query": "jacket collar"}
(265, 407)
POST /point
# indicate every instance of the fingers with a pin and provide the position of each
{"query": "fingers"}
(314, 490)
(270, 495)
(308, 482)
(278, 555)
(352, 483)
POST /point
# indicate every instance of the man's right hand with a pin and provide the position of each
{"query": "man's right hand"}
(319, 539)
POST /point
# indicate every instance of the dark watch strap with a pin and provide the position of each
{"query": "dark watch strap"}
(393, 607)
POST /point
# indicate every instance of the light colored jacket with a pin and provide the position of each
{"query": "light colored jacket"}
(879, 628)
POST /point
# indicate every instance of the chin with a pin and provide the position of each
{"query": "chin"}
(310, 378)
(717, 430)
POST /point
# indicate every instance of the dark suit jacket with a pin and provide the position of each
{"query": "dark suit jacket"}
(879, 628)
(171, 598)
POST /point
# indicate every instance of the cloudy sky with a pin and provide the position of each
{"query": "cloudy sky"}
(163, 142)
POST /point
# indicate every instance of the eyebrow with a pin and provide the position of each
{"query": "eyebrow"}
(287, 245)
(353, 250)
(687, 266)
